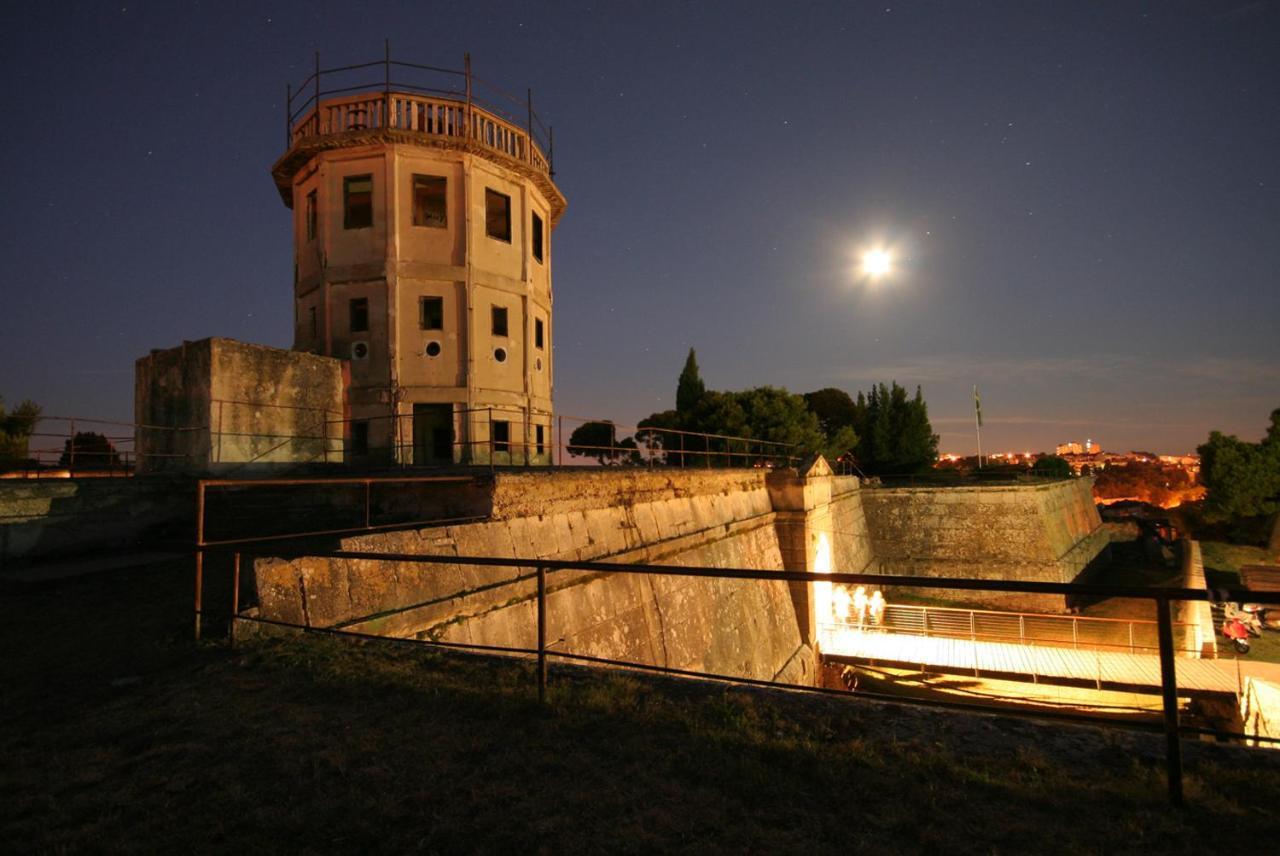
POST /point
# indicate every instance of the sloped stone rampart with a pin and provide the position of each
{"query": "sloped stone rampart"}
(744, 519)
(709, 519)
(1035, 533)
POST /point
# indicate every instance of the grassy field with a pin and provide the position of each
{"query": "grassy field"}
(1222, 563)
(120, 734)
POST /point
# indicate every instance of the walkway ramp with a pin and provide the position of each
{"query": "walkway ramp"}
(1109, 669)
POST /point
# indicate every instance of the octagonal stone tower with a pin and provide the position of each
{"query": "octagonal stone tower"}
(422, 255)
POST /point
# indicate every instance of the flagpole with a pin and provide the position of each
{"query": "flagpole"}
(977, 422)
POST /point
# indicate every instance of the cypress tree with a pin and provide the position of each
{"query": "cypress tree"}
(690, 389)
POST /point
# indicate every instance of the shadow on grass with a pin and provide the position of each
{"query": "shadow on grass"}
(120, 733)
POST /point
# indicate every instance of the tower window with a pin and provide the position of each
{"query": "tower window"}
(315, 327)
(360, 315)
(429, 201)
(431, 313)
(499, 320)
(360, 437)
(537, 332)
(501, 436)
(311, 216)
(540, 439)
(497, 215)
(537, 237)
(357, 202)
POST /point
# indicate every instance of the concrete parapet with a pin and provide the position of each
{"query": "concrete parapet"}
(63, 517)
(1199, 638)
(219, 404)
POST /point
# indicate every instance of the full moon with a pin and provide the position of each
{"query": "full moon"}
(876, 263)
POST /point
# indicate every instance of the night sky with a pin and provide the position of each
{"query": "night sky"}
(1084, 198)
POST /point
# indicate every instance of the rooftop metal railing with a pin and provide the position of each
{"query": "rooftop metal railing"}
(438, 102)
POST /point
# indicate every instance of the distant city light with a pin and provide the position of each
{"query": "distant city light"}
(877, 263)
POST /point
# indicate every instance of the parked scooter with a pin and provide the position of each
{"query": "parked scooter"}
(1235, 630)
(1268, 617)
(1248, 615)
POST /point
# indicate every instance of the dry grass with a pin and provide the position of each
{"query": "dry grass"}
(120, 734)
(1223, 558)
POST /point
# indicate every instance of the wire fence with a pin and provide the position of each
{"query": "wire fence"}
(250, 436)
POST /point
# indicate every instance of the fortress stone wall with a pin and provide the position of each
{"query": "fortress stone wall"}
(753, 519)
(1034, 532)
(710, 519)
(813, 521)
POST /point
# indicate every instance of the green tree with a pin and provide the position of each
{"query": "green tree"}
(833, 407)
(840, 444)
(1242, 479)
(884, 430)
(16, 429)
(93, 451)
(894, 434)
(919, 448)
(778, 416)
(599, 440)
(1051, 466)
(716, 413)
(690, 389)
(660, 433)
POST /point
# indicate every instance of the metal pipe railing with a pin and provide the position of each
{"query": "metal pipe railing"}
(1161, 598)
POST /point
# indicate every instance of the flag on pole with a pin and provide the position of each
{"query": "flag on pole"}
(977, 405)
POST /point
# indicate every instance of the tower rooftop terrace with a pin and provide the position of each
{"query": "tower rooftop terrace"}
(420, 105)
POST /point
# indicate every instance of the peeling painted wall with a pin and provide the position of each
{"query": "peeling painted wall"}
(218, 403)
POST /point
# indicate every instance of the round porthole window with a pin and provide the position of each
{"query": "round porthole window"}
(538, 362)
(500, 354)
(433, 349)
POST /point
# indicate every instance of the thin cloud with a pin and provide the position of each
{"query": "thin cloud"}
(951, 368)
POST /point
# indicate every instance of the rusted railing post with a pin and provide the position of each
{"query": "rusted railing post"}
(542, 634)
(199, 582)
(1169, 695)
(466, 65)
(386, 86)
(235, 598)
(528, 143)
